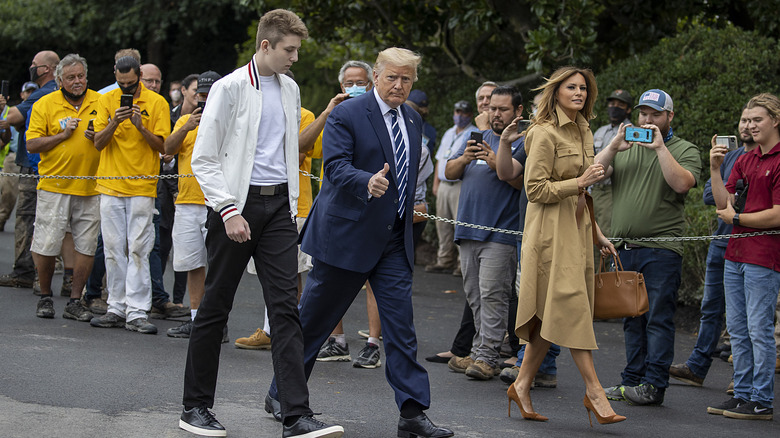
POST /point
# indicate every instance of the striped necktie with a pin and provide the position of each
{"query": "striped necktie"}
(400, 162)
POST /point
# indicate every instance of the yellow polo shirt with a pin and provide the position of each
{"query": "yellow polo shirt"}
(189, 189)
(76, 156)
(128, 153)
(305, 196)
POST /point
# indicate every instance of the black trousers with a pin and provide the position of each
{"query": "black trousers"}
(274, 246)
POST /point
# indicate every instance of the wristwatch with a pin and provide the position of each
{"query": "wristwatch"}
(735, 220)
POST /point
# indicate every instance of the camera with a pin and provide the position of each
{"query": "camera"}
(477, 137)
(727, 140)
(641, 135)
(202, 105)
(522, 125)
(126, 100)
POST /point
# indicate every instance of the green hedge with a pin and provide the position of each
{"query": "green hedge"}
(710, 74)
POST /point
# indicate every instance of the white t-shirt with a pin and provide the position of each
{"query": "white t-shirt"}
(270, 168)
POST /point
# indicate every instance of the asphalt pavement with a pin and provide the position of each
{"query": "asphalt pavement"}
(62, 378)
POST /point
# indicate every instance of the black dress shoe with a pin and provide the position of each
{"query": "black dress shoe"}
(421, 426)
(273, 407)
(437, 359)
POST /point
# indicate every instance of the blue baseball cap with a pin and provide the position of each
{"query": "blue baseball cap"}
(656, 99)
(419, 98)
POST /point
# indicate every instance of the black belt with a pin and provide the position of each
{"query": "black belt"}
(279, 189)
(630, 246)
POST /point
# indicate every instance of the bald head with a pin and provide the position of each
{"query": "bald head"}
(42, 67)
(151, 76)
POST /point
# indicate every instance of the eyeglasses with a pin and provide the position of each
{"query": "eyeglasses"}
(358, 83)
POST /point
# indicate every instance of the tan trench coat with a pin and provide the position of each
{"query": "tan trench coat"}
(556, 275)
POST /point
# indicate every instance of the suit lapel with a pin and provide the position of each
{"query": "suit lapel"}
(377, 121)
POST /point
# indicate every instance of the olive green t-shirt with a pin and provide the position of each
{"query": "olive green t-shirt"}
(643, 204)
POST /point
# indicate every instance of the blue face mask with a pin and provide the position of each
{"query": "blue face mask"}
(461, 121)
(355, 91)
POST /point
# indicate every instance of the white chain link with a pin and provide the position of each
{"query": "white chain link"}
(425, 215)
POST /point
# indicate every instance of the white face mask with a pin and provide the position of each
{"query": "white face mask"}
(175, 95)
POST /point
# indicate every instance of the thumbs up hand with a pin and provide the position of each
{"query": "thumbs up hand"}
(377, 185)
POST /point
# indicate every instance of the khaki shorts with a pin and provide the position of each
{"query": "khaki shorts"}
(56, 214)
(304, 260)
(189, 237)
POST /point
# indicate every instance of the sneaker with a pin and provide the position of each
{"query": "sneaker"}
(509, 375)
(730, 388)
(141, 325)
(107, 321)
(615, 393)
(481, 370)
(182, 331)
(436, 268)
(750, 411)
(67, 286)
(365, 335)
(682, 373)
(169, 310)
(273, 407)
(459, 364)
(644, 395)
(98, 306)
(45, 308)
(731, 403)
(368, 357)
(10, 280)
(201, 421)
(258, 341)
(77, 311)
(332, 351)
(309, 427)
(542, 380)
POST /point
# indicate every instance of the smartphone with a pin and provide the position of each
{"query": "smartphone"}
(522, 125)
(91, 125)
(642, 135)
(126, 100)
(477, 137)
(5, 89)
(201, 105)
(727, 140)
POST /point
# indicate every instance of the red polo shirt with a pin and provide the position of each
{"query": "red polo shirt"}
(761, 172)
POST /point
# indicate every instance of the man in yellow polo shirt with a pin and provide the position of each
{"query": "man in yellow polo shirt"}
(189, 221)
(56, 131)
(130, 139)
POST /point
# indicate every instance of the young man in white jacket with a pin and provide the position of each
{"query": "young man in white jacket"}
(246, 162)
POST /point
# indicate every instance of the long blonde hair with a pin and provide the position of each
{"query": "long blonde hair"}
(549, 90)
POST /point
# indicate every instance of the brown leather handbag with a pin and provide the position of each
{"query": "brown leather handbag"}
(619, 293)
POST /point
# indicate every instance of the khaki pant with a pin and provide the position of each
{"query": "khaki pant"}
(447, 207)
(9, 188)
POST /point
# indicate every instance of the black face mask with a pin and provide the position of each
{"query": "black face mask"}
(130, 89)
(72, 96)
(616, 114)
(34, 76)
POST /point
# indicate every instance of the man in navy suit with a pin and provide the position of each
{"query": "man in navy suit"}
(360, 228)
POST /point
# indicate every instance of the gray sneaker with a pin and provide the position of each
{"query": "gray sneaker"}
(332, 351)
(45, 308)
(77, 311)
(368, 357)
(182, 331)
(108, 320)
(615, 393)
(509, 375)
(141, 325)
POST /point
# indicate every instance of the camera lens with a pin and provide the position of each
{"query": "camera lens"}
(636, 134)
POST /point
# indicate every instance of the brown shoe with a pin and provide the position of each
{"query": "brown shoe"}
(682, 373)
(542, 380)
(459, 364)
(169, 310)
(258, 341)
(481, 370)
(10, 280)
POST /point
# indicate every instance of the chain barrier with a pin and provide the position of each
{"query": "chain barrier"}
(425, 215)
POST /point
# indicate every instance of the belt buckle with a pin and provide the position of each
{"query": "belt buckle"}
(626, 247)
(267, 190)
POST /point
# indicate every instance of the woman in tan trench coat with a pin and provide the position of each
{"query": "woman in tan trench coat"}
(555, 301)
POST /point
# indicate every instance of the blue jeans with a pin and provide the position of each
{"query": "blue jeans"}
(713, 305)
(650, 337)
(751, 296)
(159, 295)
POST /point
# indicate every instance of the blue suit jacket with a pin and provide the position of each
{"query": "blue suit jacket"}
(345, 228)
